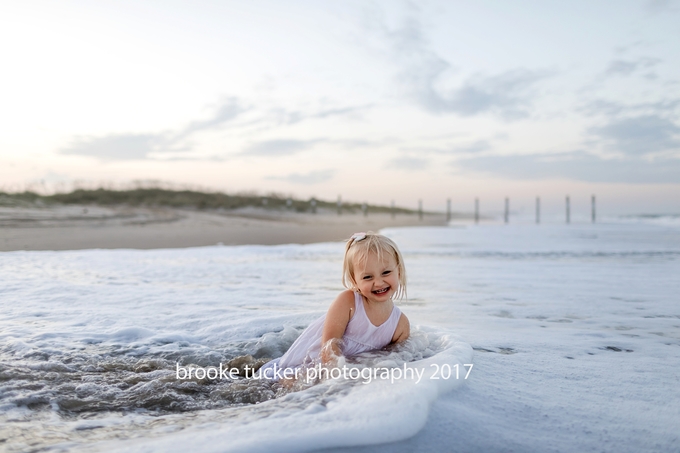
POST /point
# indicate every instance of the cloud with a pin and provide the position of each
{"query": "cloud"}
(638, 136)
(283, 116)
(229, 109)
(621, 67)
(508, 94)
(659, 6)
(117, 146)
(143, 146)
(340, 111)
(276, 148)
(132, 147)
(614, 109)
(476, 147)
(364, 143)
(420, 66)
(176, 145)
(578, 166)
(409, 163)
(313, 177)
(626, 68)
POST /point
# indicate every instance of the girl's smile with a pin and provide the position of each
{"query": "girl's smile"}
(377, 280)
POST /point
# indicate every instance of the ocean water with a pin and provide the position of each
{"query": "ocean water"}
(573, 331)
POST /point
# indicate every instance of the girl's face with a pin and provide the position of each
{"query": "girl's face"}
(377, 280)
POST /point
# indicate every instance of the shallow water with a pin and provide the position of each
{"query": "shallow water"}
(80, 399)
(576, 333)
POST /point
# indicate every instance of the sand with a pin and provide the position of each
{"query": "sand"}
(96, 227)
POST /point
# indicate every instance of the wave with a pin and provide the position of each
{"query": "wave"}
(653, 219)
(103, 395)
(336, 412)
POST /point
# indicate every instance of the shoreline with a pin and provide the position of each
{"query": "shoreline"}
(79, 227)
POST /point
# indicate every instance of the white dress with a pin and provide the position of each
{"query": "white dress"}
(360, 336)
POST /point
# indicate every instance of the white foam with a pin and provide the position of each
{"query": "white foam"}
(380, 411)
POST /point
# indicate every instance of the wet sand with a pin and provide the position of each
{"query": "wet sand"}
(88, 227)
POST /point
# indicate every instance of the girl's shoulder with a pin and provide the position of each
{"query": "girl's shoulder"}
(343, 303)
(347, 297)
(342, 309)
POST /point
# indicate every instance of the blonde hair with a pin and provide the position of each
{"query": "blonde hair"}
(357, 249)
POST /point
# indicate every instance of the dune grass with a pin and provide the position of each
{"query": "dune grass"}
(188, 199)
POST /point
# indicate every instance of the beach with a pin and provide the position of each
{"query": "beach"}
(77, 227)
(572, 332)
(187, 188)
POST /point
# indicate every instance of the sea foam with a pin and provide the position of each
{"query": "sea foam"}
(336, 412)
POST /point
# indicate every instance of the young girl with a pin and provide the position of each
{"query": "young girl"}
(363, 317)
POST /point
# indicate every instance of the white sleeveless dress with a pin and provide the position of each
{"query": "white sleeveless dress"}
(360, 336)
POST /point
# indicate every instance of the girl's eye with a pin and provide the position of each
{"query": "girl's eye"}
(387, 272)
(367, 277)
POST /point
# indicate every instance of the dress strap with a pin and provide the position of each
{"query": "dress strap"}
(358, 303)
(395, 315)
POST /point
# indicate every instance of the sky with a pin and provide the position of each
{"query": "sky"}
(372, 101)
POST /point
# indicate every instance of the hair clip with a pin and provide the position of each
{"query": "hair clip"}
(356, 237)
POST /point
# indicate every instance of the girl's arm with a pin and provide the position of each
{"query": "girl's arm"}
(339, 314)
(403, 330)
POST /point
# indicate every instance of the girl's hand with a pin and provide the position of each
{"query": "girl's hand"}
(331, 352)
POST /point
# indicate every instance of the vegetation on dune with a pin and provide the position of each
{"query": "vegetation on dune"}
(20, 199)
(157, 197)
